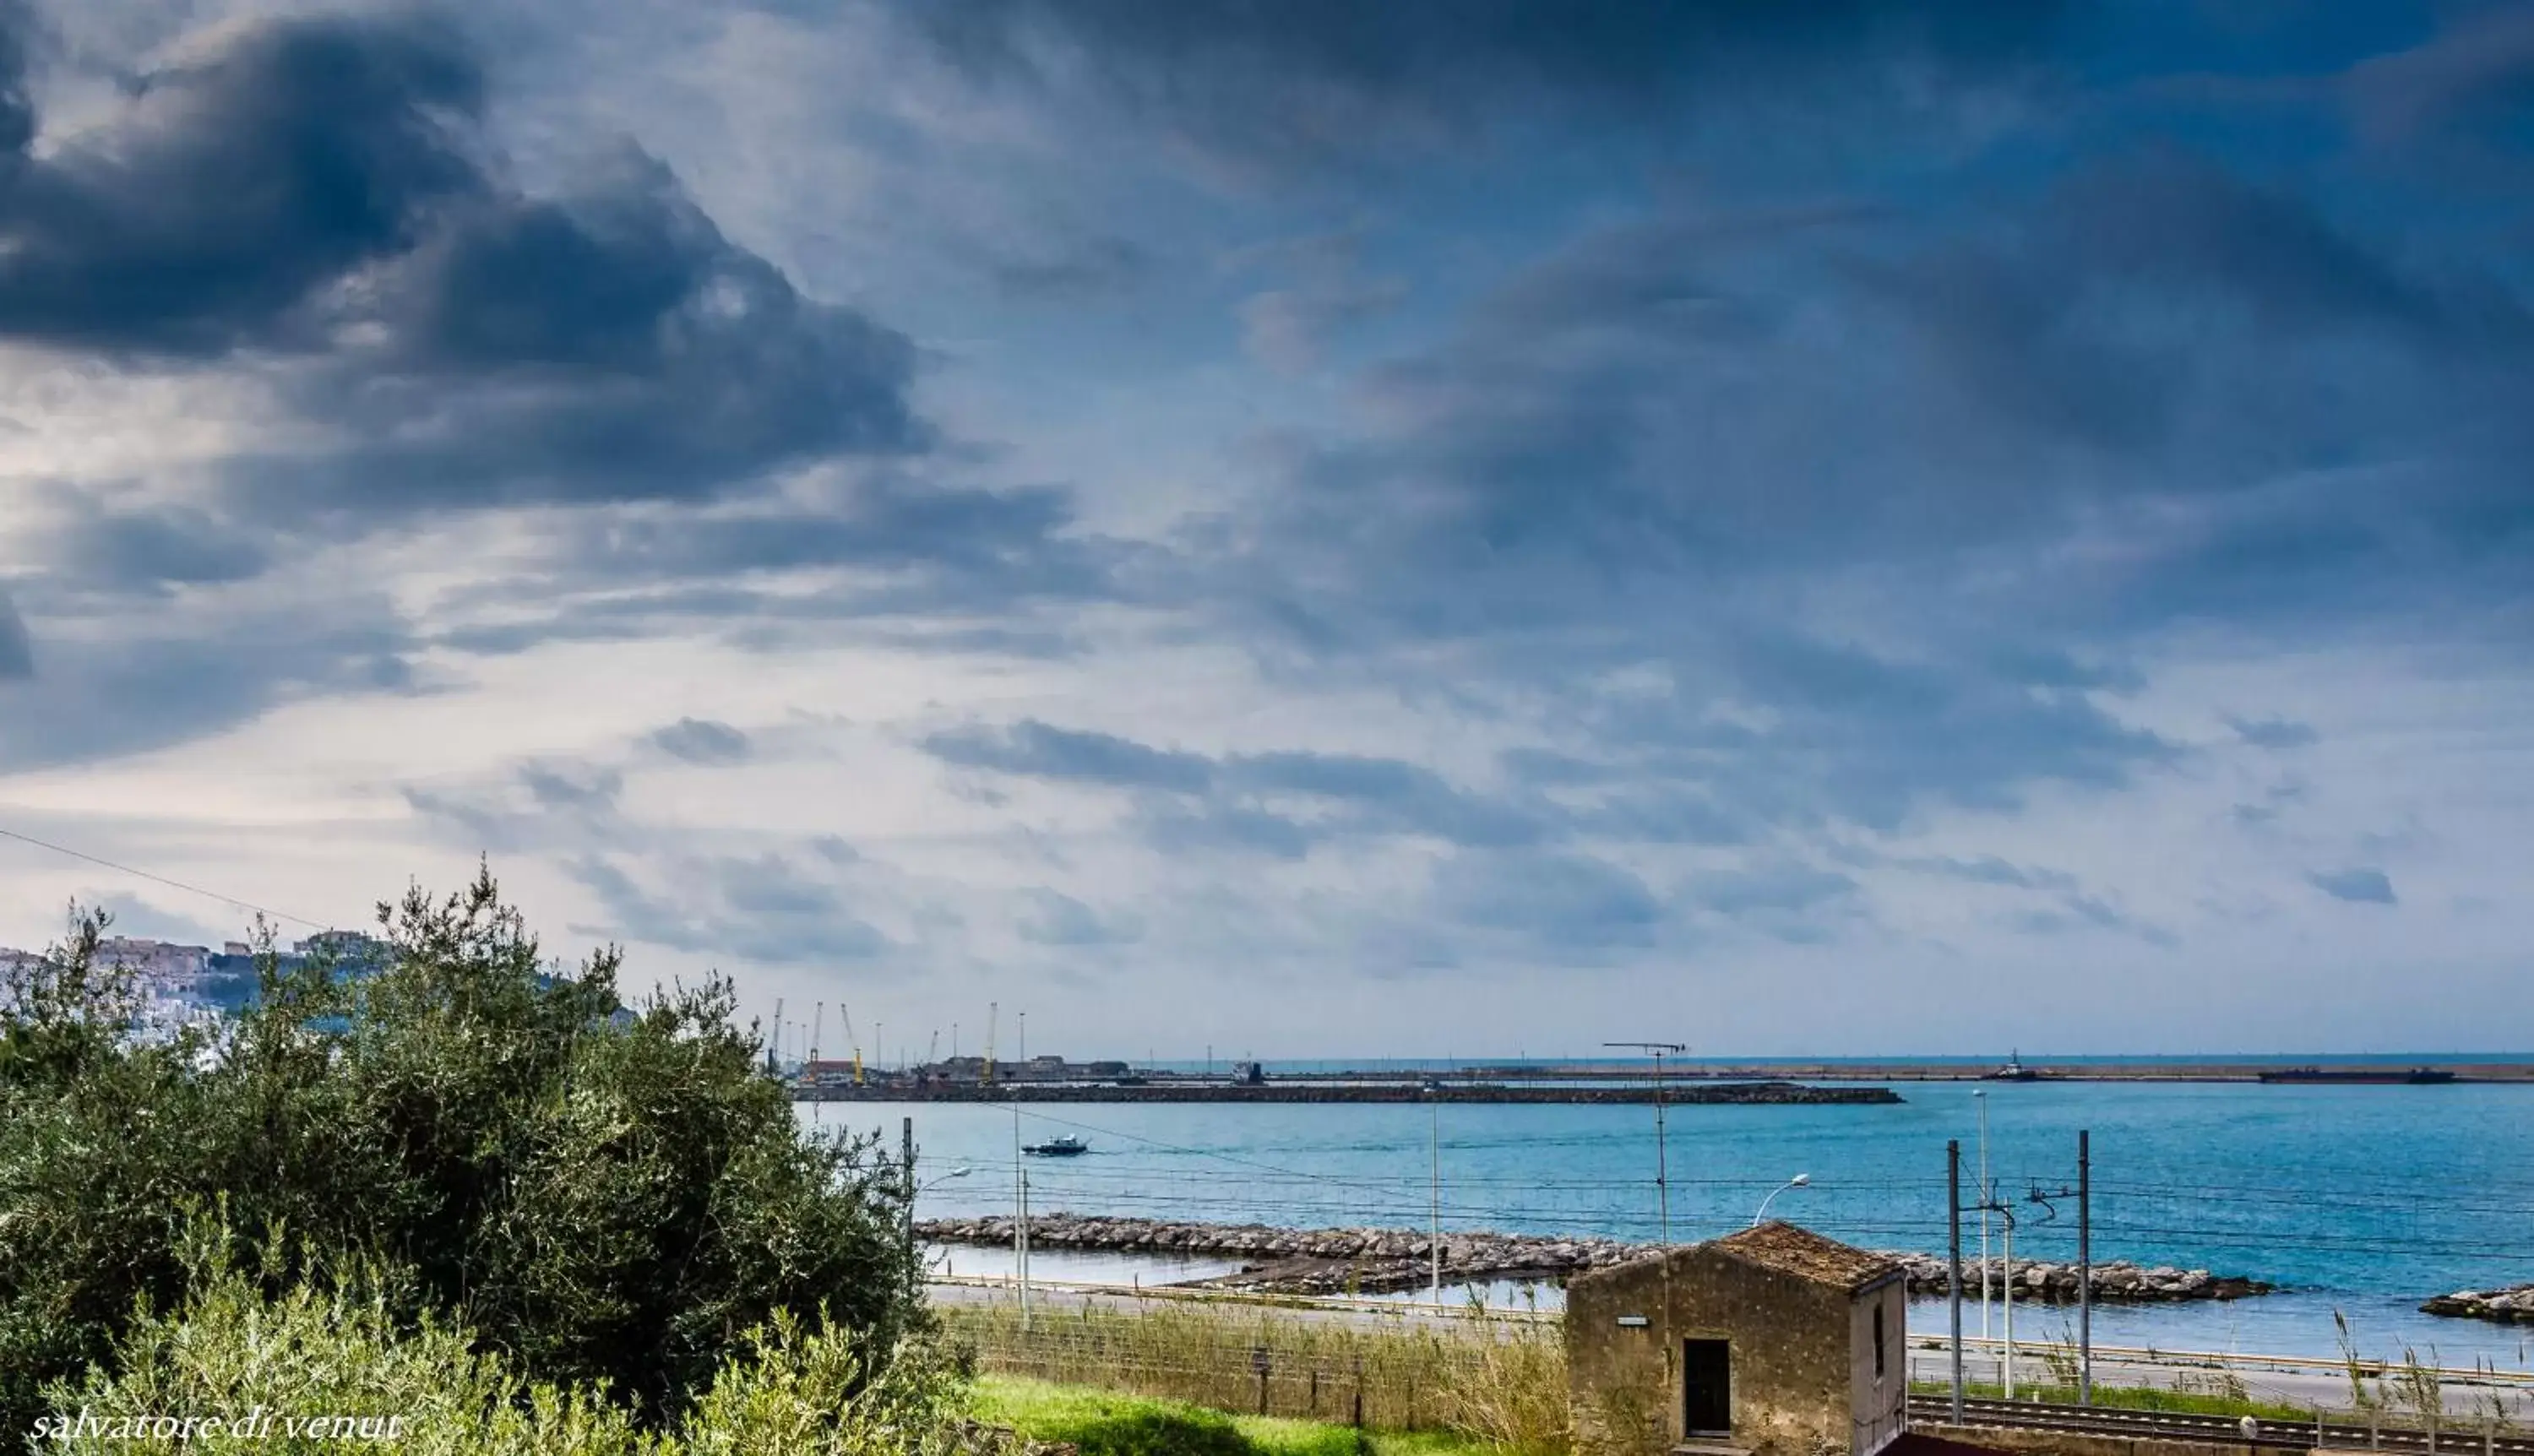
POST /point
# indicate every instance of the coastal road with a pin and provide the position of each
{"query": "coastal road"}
(2304, 1384)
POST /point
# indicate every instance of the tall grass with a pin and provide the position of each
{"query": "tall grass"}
(1502, 1382)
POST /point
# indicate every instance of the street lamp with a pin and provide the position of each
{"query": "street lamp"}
(907, 1231)
(1799, 1180)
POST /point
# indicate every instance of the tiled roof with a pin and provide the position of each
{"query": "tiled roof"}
(1807, 1255)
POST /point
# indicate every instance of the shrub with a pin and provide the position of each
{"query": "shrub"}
(334, 1341)
(605, 1195)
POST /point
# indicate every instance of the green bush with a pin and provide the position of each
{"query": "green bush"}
(602, 1195)
(335, 1343)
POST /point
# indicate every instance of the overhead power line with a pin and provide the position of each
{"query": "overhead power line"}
(190, 889)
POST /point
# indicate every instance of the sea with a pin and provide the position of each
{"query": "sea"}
(2357, 1201)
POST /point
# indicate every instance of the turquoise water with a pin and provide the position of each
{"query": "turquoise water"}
(2360, 1200)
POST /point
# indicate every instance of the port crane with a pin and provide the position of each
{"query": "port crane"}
(774, 1043)
(852, 1041)
(993, 1011)
(818, 1032)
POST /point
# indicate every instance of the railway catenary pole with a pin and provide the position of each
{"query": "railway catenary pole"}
(1434, 1233)
(1953, 1242)
(2085, 1267)
(906, 1154)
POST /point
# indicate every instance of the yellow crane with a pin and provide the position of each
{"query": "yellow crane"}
(852, 1041)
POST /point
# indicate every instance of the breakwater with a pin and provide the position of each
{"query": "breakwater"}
(1374, 1260)
(1734, 1094)
(2514, 1305)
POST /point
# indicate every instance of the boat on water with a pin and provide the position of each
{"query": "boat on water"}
(1058, 1147)
(2013, 1071)
(2413, 1077)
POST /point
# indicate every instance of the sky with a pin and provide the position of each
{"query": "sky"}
(1452, 527)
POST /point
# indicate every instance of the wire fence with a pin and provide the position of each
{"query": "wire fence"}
(1504, 1381)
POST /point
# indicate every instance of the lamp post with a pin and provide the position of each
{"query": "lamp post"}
(1799, 1180)
(912, 1274)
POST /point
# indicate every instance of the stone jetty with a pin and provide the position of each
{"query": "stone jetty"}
(1688, 1094)
(1373, 1260)
(2514, 1305)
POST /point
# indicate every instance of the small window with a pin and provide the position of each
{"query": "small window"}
(1878, 1342)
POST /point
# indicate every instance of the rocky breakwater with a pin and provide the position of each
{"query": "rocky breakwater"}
(2514, 1305)
(1373, 1260)
(2119, 1282)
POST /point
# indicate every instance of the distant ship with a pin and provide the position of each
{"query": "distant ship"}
(1058, 1147)
(2013, 1071)
(2417, 1077)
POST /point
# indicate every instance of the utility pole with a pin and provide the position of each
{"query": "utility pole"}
(1953, 1242)
(2084, 1192)
(1662, 1185)
(2007, 1297)
(1023, 1058)
(1435, 1235)
(906, 1158)
(1987, 1195)
(1663, 1169)
(774, 1043)
(1020, 1219)
(2085, 1267)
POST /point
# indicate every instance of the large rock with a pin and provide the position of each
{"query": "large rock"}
(2514, 1305)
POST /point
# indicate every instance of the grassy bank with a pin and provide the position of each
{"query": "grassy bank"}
(1501, 1382)
(1105, 1422)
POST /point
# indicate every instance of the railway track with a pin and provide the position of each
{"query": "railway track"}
(2221, 1430)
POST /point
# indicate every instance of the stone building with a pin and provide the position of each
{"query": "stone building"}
(1773, 1341)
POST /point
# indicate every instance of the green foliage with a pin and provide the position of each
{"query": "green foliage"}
(1103, 1422)
(602, 1195)
(335, 1343)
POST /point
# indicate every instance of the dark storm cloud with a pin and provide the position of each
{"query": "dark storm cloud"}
(1276, 803)
(703, 741)
(17, 652)
(609, 347)
(763, 910)
(321, 186)
(1767, 887)
(1060, 920)
(576, 787)
(1990, 870)
(1035, 749)
(1324, 79)
(149, 687)
(233, 188)
(150, 549)
(883, 522)
(1556, 899)
(2358, 885)
(1085, 268)
(2275, 733)
(2473, 80)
